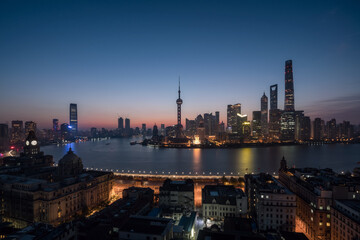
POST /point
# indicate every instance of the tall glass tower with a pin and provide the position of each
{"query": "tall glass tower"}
(264, 114)
(73, 117)
(289, 87)
(273, 97)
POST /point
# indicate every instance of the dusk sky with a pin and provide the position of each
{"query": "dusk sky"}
(124, 58)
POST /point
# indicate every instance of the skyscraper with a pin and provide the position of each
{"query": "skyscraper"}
(274, 114)
(264, 114)
(273, 97)
(288, 126)
(73, 117)
(217, 115)
(232, 113)
(317, 129)
(289, 87)
(143, 129)
(4, 137)
(55, 125)
(30, 126)
(127, 126)
(17, 133)
(256, 124)
(120, 123)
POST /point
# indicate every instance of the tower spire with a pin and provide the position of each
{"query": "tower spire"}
(179, 87)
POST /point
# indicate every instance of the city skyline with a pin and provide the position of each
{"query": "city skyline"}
(126, 63)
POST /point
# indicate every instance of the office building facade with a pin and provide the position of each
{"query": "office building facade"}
(264, 115)
(73, 123)
(289, 87)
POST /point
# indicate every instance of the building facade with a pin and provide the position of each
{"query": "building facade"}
(264, 115)
(289, 87)
(73, 118)
(270, 203)
(220, 201)
(345, 220)
(177, 195)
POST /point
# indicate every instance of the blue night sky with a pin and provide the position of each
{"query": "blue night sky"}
(123, 58)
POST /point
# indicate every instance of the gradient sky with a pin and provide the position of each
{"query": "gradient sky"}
(123, 58)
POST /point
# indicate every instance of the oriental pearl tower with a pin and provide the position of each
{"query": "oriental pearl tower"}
(179, 101)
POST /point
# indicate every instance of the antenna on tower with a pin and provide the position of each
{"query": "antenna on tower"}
(179, 86)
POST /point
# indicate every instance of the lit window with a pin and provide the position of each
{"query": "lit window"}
(328, 224)
(320, 223)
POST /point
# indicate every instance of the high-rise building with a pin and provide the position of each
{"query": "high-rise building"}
(274, 124)
(305, 128)
(64, 130)
(127, 127)
(162, 129)
(217, 116)
(274, 114)
(30, 126)
(73, 118)
(256, 124)
(143, 129)
(120, 123)
(4, 137)
(317, 129)
(232, 113)
(17, 133)
(56, 125)
(274, 97)
(289, 87)
(288, 126)
(155, 131)
(209, 124)
(93, 132)
(264, 115)
(190, 127)
(331, 127)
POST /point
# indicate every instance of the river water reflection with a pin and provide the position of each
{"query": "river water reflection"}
(118, 154)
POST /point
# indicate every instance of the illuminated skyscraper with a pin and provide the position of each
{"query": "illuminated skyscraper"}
(273, 97)
(256, 124)
(232, 113)
(264, 114)
(56, 125)
(274, 114)
(289, 87)
(17, 133)
(30, 126)
(288, 126)
(73, 118)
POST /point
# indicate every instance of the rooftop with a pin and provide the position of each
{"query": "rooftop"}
(221, 194)
(146, 225)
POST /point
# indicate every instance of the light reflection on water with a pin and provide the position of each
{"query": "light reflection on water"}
(119, 154)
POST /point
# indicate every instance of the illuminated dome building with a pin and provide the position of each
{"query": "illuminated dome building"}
(70, 165)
